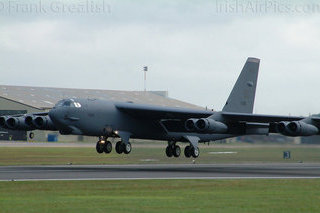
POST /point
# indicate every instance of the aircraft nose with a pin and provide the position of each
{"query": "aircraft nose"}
(55, 115)
(52, 114)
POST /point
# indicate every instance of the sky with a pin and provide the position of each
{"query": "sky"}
(194, 49)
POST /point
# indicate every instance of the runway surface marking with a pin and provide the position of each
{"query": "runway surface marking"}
(180, 178)
(160, 171)
(219, 153)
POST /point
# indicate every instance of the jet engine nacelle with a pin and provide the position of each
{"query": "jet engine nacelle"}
(297, 128)
(43, 123)
(208, 125)
(27, 123)
(18, 123)
(3, 120)
(190, 124)
(15, 123)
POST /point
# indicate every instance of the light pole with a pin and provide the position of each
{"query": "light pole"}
(145, 69)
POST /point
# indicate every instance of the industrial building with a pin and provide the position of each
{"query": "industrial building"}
(25, 99)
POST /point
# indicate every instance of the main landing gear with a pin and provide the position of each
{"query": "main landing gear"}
(104, 146)
(123, 148)
(191, 151)
(175, 150)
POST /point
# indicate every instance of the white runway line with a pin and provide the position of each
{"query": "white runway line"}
(165, 178)
(149, 160)
(218, 153)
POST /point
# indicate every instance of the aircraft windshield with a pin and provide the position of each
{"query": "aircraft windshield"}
(68, 103)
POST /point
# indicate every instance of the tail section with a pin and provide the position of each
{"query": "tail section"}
(242, 96)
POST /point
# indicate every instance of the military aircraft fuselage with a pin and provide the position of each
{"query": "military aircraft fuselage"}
(94, 117)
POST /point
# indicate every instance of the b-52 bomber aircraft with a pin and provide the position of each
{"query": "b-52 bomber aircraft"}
(125, 120)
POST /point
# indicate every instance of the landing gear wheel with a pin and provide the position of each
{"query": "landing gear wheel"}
(195, 152)
(119, 147)
(31, 135)
(187, 151)
(127, 148)
(99, 147)
(169, 152)
(107, 148)
(176, 151)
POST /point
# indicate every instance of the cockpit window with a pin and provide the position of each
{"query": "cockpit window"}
(59, 104)
(68, 103)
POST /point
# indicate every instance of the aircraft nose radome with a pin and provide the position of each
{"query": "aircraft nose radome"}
(53, 114)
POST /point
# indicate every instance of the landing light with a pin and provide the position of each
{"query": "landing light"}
(116, 132)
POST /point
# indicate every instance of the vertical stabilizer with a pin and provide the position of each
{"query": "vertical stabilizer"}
(242, 96)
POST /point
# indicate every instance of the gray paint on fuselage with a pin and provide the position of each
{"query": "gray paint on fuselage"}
(95, 115)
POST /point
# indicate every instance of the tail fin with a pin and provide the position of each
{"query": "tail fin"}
(242, 96)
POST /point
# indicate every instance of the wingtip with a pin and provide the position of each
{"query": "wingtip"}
(254, 60)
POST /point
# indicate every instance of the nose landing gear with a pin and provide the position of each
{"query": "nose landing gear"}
(99, 147)
(107, 148)
(123, 146)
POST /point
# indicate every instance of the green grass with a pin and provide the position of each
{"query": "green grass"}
(63, 155)
(301, 195)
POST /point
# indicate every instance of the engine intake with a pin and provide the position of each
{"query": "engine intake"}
(190, 124)
(205, 125)
(3, 120)
(211, 126)
(12, 123)
(29, 120)
(43, 123)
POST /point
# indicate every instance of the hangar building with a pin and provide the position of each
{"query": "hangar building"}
(25, 99)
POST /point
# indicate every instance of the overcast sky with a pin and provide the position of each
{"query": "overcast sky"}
(194, 49)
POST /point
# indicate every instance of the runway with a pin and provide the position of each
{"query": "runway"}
(156, 171)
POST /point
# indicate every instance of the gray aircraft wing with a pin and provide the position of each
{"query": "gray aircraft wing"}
(145, 111)
(34, 114)
(158, 112)
(248, 117)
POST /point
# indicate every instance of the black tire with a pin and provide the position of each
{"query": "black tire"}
(187, 151)
(176, 151)
(127, 148)
(119, 147)
(169, 152)
(195, 152)
(31, 135)
(107, 148)
(99, 147)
